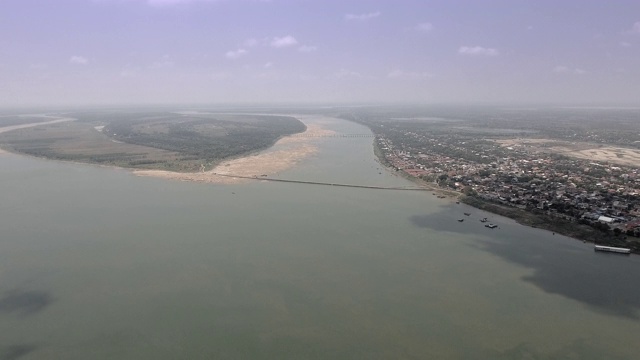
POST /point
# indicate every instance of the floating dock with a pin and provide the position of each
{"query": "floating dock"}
(612, 249)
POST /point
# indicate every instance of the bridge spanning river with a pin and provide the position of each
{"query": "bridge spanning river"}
(335, 136)
(265, 178)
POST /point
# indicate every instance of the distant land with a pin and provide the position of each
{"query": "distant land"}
(160, 140)
(575, 171)
(571, 170)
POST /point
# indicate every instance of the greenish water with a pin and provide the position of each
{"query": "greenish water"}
(96, 263)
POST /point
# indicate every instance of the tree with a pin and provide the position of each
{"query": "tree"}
(468, 190)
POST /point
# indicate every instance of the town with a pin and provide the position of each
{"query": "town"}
(512, 168)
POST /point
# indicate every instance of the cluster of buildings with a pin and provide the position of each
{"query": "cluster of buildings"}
(603, 195)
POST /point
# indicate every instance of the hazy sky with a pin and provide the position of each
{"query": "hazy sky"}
(208, 51)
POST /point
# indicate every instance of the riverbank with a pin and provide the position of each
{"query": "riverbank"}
(561, 226)
(56, 120)
(567, 228)
(437, 191)
(283, 155)
(95, 149)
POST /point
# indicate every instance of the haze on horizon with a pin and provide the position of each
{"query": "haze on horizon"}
(70, 52)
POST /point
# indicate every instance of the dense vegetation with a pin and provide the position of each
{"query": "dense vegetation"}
(152, 140)
(207, 138)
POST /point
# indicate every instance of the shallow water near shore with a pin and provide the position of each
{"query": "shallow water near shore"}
(97, 263)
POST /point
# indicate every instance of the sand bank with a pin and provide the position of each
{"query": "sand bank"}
(24, 126)
(283, 155)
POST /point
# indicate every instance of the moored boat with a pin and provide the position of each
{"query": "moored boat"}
(612, 249)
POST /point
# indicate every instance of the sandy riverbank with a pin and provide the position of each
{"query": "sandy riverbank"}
(285, 153)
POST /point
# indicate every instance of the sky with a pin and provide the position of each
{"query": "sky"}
(86, 52)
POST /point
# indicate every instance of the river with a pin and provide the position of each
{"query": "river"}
(96, 263)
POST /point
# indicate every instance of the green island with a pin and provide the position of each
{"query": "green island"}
(182, 142)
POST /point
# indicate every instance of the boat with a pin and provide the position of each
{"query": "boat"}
(491, 226)
(612, 249)
(467, 214)
(460, 220)
(483, 220)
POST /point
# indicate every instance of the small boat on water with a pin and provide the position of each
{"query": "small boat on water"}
(612, 249)
(460, 220)
(491, 226)
(483, 220)
(467, 214)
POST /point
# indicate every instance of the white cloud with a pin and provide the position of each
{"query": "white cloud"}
(307, 48)
(362, 17)
(234, 54)
(635, 29)
(424, 27)
(79, 60)
(399, 74)
(163, 63)
(625, 44)
(250, 42)
(128, 73)
(285, 41)
(561, 69)
(477, 51)
(268, 65)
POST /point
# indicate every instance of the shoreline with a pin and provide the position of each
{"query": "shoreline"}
(437, 191)
(56, 120)
(282, 155)
(522, 217)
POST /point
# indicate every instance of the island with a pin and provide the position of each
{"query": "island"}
(188, 141)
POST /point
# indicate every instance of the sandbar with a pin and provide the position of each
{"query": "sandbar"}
(24, 126)
(283, 155)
